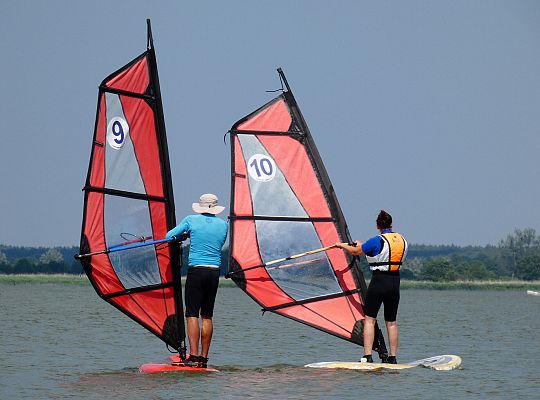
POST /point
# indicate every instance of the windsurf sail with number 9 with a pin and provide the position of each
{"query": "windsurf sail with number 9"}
(129, 203)
(283, 204)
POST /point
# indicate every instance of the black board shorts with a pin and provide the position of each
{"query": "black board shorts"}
(383, 289)
(201, 289)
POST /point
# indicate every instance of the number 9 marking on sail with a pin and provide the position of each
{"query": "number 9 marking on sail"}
(117, 132)
(261, 167)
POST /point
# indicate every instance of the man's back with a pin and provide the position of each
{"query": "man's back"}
(207, 234)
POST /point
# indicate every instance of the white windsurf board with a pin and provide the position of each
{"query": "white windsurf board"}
(440, 363)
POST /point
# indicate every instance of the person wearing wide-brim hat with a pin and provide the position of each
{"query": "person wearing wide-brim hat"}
(207, 235)
(207, 204)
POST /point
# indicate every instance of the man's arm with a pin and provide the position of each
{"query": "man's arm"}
(354, 250)
(180, 230)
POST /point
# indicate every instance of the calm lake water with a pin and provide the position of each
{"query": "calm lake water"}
(62, 341)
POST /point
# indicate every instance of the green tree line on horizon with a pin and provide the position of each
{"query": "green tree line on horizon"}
(516, 256)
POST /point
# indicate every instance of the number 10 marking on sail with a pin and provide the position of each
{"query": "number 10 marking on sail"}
(261, 167)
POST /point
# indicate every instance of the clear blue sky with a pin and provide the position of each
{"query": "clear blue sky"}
(428, 109)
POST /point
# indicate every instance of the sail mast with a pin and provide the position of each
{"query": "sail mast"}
(175, 248)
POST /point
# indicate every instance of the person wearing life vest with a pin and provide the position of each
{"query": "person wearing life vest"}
(385, 254)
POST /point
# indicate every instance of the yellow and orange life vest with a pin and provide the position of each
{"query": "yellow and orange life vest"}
(392, 255)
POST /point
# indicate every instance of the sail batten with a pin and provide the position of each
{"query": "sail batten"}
(143, 96)
(283, 203)
(122, 193)
(128, 200)
(282, 218)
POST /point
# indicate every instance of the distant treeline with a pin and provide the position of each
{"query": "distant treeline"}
(516, 256)
(58, 260)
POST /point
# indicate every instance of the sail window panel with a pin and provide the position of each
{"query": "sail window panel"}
(104, 276)
(121, 167)
(128, 220)
(293, 159)
(270, 192)
(301, 278)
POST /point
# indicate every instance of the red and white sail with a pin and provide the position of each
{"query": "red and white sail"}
(129, 199)
(282, 204)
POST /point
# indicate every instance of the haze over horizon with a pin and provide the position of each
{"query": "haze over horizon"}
(429, 110)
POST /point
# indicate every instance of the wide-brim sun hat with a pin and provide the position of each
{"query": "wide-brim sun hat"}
(208, 204)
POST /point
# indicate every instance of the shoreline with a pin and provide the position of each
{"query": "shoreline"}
(507, 284)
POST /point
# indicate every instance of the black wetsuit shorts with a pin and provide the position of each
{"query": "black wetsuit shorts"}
(383, 289)
(201, 289)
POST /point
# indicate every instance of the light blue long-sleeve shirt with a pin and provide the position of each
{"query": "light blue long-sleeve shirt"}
(207, 235)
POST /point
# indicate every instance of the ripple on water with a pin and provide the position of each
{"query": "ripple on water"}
(64, 342)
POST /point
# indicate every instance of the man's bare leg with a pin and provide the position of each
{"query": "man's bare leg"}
(206, 335)
(194, 333)
(369, 334)
(393, 336)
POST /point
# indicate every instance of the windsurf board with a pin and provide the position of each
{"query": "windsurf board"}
(172, 364)
(440, 363)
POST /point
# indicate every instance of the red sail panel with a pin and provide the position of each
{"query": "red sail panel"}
(242, 199)
(133, 78)
(281, 205)
(97, 174)
(293, 160)
(317, 312)
(262, 288)
(141, 118)
(342, 266)
(274, 117)
(149, 307)
(128, 199)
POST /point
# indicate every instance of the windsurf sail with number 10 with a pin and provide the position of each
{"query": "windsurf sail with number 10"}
(283, 206)
(129, 204)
